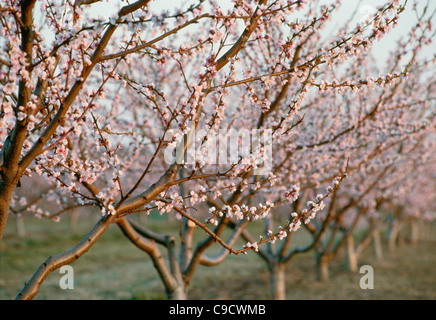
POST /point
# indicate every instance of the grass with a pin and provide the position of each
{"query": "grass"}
(115, 269)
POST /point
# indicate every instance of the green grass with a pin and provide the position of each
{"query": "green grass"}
(114, 269)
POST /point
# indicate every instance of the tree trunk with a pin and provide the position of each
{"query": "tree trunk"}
(177, 293)
(378, 249)
(21, 229)
(414, 233)
(172, 279)
(322, 267)
(351, 255)
(277, 280)
(74, 216)
(393, 235)
(5, 200)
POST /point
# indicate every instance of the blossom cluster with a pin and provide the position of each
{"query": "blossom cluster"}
(306, 215)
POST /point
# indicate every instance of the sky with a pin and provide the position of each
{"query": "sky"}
(407, 20)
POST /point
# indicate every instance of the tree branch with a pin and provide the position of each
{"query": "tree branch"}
(31, 288)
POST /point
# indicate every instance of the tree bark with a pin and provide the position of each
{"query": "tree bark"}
(6, 191)
(178, 293)
(393, 236)
(351, 255)
(277, 280)
(21, 228)
(31, 289)
(322, 267)
(414, 233)
(175, 286)
(74, 216)
(378, 249)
